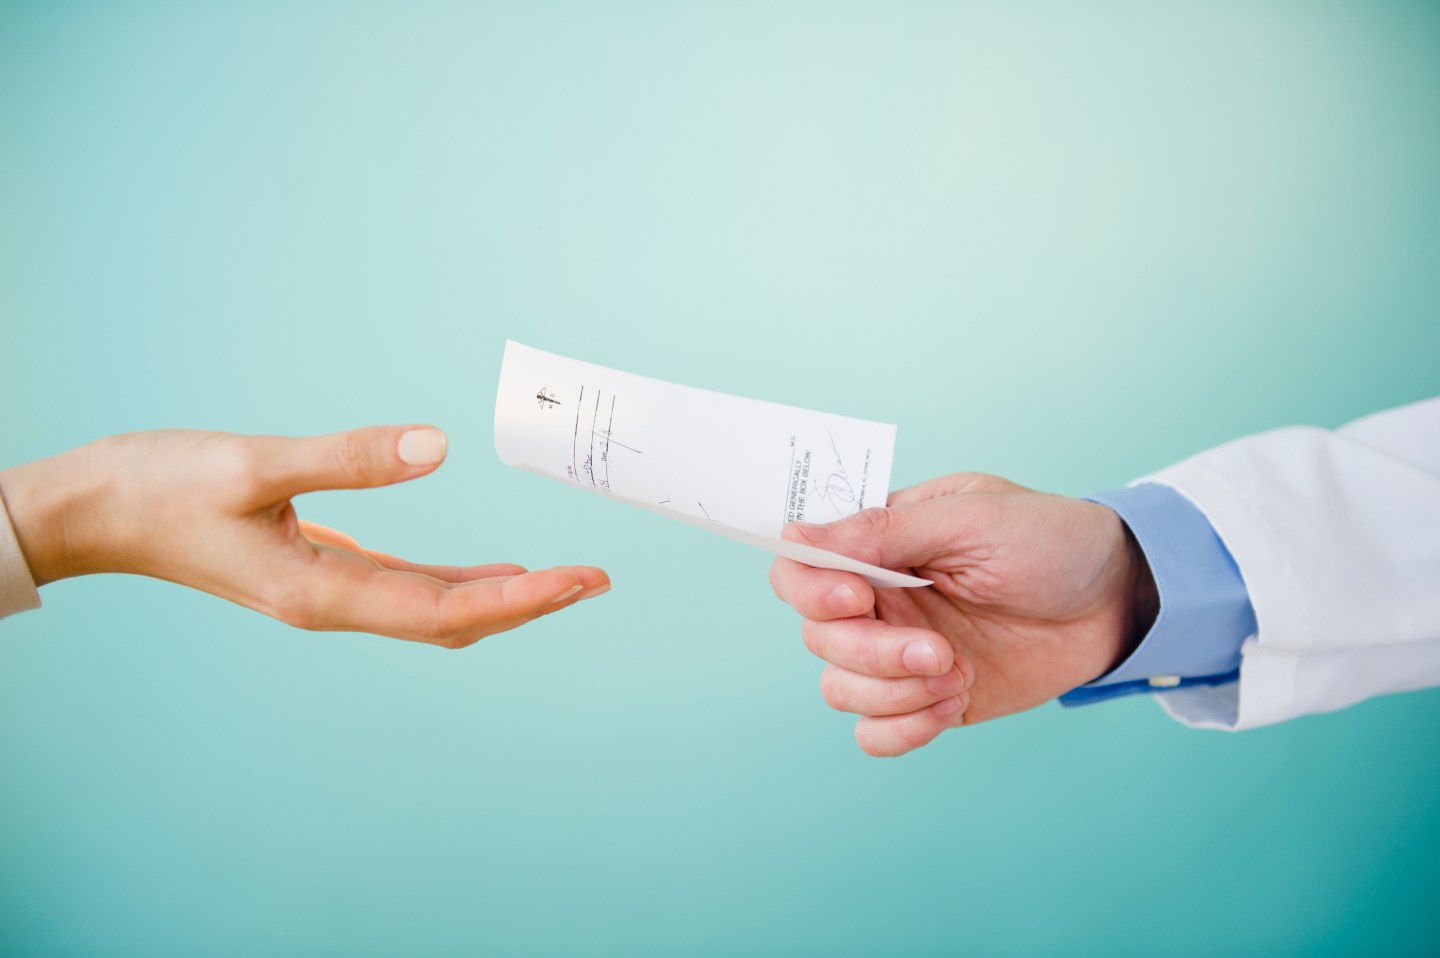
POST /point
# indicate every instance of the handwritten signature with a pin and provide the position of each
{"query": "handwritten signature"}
(836, 488)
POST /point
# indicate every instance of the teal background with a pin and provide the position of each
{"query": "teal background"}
(1068, 243)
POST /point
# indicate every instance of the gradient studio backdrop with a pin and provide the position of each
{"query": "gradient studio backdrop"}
(1068, 243)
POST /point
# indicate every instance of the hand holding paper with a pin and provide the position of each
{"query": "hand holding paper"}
(1034, 594)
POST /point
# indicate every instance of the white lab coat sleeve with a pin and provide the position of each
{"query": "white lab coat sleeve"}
(1337, 537)
(17, 588)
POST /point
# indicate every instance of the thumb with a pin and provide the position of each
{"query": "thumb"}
(895, 537)
(358, 459)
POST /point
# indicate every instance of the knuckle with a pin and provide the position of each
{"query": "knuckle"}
(240, 468)
(870, 658)
(811, 634)
(870, 743)
(916, 730)
(898, 694)
(352, 456)
(871, 522)
(989, 483)
(979, 482)
(832, 690)
(775, 580)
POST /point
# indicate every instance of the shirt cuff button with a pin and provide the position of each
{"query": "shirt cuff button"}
(1164, 681)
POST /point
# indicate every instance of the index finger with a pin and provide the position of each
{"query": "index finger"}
(820, 594)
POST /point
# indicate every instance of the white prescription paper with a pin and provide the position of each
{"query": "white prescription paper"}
(738, 467)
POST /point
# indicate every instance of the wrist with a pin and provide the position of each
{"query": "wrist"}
(55, 507)
(1144, 596)
(1134, 600)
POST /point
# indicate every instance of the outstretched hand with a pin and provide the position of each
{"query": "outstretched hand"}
(1033, 595)
(214, 511)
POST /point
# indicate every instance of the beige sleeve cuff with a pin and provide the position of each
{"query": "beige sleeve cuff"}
(17, 588)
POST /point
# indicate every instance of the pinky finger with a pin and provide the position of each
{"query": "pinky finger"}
(891, 735)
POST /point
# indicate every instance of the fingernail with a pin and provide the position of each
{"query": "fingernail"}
(422, 447)
(566, 594)
(920, 657)
(948, 707)
(813, 531)
(843, 599)
(947, 684)
(593, 592)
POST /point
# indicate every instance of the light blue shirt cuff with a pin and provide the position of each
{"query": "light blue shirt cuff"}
(1205, 612)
